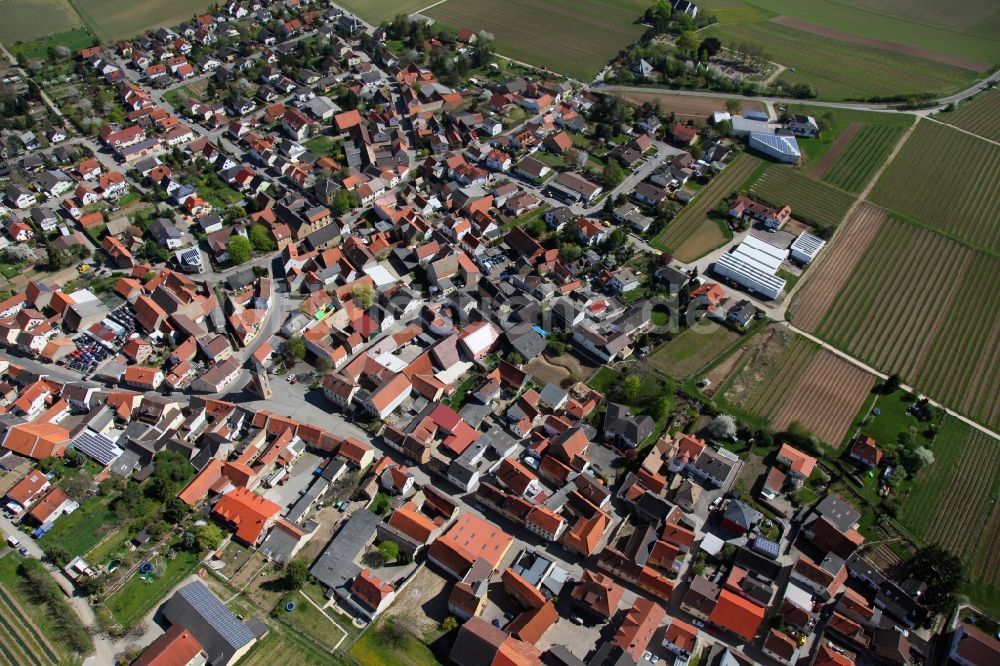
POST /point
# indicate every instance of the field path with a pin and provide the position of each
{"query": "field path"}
(964, 131)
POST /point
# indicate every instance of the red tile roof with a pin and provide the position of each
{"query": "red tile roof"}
(598, 592)
(250, 514)
(176, 647)
(637, 629)
(527, 594)
(371, 590)
(28, 488)
(736, 614)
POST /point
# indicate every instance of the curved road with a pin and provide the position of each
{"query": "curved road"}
(991, 80)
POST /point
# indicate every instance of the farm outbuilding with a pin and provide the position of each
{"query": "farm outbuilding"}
(780, 147)
(806, 247)
(754, 264)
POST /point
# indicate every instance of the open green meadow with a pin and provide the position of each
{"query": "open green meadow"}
(918, 303)
(26, 20)
(75, 40)
(914, 23)
(862, 157)
(130, 603)
(812, 201)
(693, 233)
(840, 70)
(979, 115)
(377, 11)
(948, 180)
(572, 37)
(112, 20)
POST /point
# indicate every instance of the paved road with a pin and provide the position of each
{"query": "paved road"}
(858, 106)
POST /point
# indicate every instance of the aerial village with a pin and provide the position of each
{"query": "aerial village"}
(332, 312)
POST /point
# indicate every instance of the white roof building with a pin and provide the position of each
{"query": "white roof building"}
(781, 147)
(806, 247)
(753, 264)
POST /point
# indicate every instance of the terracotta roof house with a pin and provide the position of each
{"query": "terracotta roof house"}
(864, 452)
(531, 625)
(479, 643)
(637, 629)
(597, 594)
(780, 646)
(249, 514)
(735, 614)
(682, 134)
(32, 486)
(176, 647)
(49, 507)
(680, 638)
(37, 440)
(524, 592)
(373, 594)
(469, 539)
(827, 657)
(586, 534)
(355, 452)
(799, 464)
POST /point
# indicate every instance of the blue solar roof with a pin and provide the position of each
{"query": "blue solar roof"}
(213, 612)
(766, 547)
(97, 446)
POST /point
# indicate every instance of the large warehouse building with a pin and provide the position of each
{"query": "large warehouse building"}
(806, 247)
(781, 147)
(754, 264)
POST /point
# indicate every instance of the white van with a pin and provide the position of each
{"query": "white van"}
(13, 542)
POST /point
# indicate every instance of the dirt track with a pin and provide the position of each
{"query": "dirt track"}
(836, 148)
(886, 45)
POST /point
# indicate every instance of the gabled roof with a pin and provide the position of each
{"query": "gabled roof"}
(176, 647)
(249, 513)
(736, 614)
(637, 629)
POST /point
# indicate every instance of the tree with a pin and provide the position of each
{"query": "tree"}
(239, 249)
(58, 555)
(734, 106)
(630, 389)
(555, 347)
(485, 48)
(174, 510)
(388, 551)
(260, 238)
(295, 347)
(688, 42)
(613, 174)
(296, 575)
(208, 536)
(722, 426)
(890, 385)
(364, 295)
(449, 623)
(943, 572)
(712, 45)
(535, 228)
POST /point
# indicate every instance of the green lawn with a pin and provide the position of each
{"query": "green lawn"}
(309, 620)
(10, 270)
(893, 420)
(75, 40)
(373, 650)
(604, 380)
(103, 552)
(322, 145)
(284, 647)
(692, 350)
(130, 603)
(527, 218)
(83, 529)
(129, 198)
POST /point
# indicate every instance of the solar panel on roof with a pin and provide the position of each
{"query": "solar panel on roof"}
(97, 446)
(766, 547)
(217, 615)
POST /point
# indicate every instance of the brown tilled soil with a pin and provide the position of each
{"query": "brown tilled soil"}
(885, 45)
(832, 271)
(836, 148)
(826, 397)
(686, 106)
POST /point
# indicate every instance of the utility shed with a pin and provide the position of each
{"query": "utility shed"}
(806, 247)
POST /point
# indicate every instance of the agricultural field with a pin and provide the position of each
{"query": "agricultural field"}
(21, 19)
(946, 179)
(377, 11)
(864, 154)
(686, 107)
(74, 40)
(692, 233)
(979, 115)
(112, 20)
(914, 302)
(692, 350)
(951, 500)
(840, 70)
(572, 37)
(812, 201)
(916, 28)
(33, 631)
(790, 379)
(839, 122)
